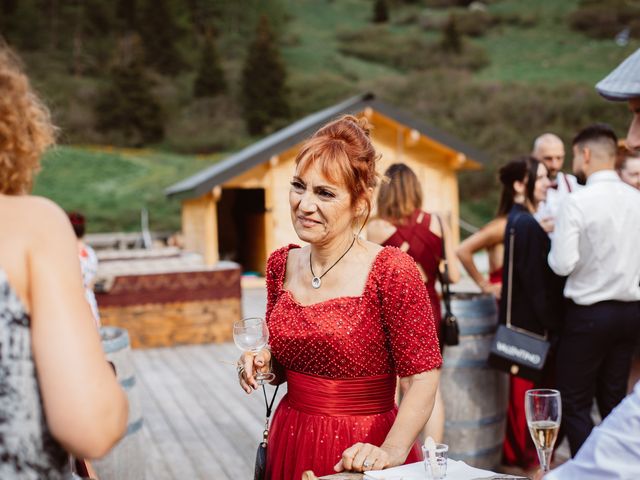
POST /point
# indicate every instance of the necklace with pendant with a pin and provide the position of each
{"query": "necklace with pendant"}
(316, 282)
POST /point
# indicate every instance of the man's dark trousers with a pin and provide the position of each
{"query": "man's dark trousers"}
(593, 360)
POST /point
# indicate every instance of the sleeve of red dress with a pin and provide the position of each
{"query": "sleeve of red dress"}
(276, 265)
(408, 318)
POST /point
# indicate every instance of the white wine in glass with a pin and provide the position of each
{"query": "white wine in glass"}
(543, 408)
(252, 335)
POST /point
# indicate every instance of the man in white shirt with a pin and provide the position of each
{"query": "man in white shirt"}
(549, 149)
(596, 245)
(612, 451)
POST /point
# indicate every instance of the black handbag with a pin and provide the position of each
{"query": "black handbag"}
(450, 328)
(515, 350)
(260, 468)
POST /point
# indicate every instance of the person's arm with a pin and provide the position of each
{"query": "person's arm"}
(413, 414)
(85, 408)
(408, 320)
(449, 253)
(488, 236)
(564, 254)
(264, 361)
(612, 450)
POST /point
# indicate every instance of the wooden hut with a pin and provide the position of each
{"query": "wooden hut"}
(238, 209)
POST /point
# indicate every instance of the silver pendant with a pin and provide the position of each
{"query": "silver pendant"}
(316, 282)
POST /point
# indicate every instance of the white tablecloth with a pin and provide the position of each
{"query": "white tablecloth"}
(456, 470)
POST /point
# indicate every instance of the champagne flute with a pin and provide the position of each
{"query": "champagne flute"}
(252, 335)
(543, 409)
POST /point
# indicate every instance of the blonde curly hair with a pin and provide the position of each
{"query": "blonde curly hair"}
(26, 130)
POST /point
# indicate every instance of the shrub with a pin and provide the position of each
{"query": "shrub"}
(410, 51)
(127, 110)
(474, 23)
(206, 125)
(263, 82)
(605, 19)
(210, 77)
(448, 3)
(380, 11)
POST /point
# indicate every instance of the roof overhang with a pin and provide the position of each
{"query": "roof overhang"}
(274, 144)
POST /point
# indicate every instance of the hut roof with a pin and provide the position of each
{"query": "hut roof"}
(274, 144)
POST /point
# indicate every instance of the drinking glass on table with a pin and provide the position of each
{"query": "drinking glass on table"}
(435, 461)
(543, 408)
(252, 335)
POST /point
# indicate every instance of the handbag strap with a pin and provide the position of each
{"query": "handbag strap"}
(269, 406)
(512, 235)
(444, 276)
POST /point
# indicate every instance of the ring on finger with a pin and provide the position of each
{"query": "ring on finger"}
(367, 464)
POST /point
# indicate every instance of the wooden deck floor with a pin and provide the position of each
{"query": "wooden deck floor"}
(198, 423)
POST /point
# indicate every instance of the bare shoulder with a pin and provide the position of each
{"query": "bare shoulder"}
(45, 214)
(39, 219)
(371, 249)
(379, 230)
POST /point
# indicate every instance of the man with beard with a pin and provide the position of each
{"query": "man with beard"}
(596, 246)
(549, 149)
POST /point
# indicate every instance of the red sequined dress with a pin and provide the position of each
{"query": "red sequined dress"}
(340, 358)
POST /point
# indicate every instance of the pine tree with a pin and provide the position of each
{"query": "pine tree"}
(210, 78)
(451, 37)
(380, 11)
(127, 15)
(263, 82)
(23, 24)
(159, 36)
(127, 107)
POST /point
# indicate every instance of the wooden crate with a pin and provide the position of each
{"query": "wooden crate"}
(179, 308)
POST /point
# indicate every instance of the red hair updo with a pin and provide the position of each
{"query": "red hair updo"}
(343, 152)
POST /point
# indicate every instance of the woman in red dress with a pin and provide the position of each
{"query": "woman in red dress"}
(402, 223)
(346, 317)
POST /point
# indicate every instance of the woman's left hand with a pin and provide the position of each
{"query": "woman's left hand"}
(364, 456)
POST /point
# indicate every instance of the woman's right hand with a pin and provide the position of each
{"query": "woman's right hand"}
(249, 364)
(494, 289)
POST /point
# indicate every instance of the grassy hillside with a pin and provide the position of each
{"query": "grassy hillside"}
(111, 186)
(539, 76)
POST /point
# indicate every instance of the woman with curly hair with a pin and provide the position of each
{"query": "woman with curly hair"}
(57, 392)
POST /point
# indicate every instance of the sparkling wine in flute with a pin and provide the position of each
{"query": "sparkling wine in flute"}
(544, 434)
(543, 408)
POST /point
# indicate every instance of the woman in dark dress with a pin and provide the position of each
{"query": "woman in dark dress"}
(536, 292)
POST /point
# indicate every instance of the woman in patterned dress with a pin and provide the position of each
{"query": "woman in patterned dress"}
(57, 391)
(88, 263)
(346, 316)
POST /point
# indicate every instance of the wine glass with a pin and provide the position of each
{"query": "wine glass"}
(252, 335)
(543, 408)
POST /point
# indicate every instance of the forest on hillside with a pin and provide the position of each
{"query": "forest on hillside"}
(211, 76)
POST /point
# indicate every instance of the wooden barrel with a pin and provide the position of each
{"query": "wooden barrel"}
(126, 461)
(474, 395)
